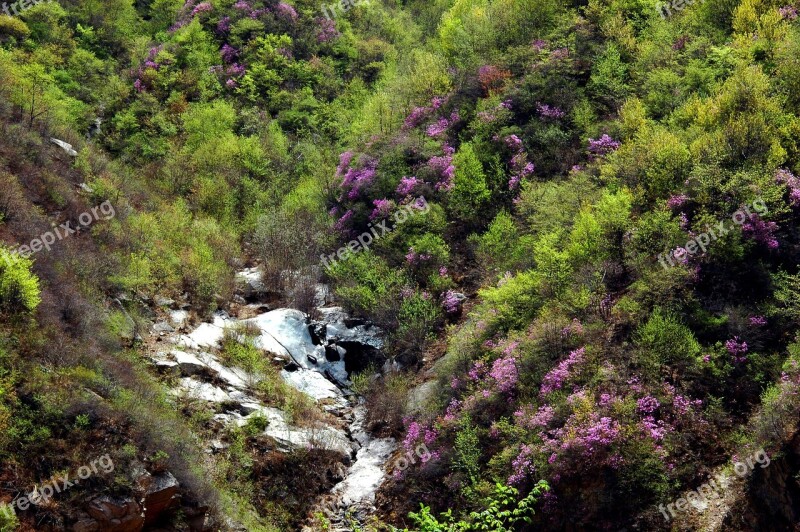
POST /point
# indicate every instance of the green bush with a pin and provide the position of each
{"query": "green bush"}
(19, 287)
(665, 341)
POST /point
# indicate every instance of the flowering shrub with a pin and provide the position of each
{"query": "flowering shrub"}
(737, 349)
(761, 231)
(504, 372)
(792, 183)
(556, 377)
(602, 146)
(383, 208)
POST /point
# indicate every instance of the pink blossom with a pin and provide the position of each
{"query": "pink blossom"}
(761, 231)
(407, 185)
(677, 200)
(556, 377)
(602, 146)
(522, 465)
(286, 11)
(737, 348)
(647, 404)
(451, 302)
(383, 208)
(504, 372)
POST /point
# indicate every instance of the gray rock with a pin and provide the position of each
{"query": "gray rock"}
(188, 363)
(164, 302)
(66, 146)
(162, 327)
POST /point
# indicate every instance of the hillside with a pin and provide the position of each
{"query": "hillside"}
(437, 266)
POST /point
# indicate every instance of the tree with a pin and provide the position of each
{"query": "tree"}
(470, 193)
(19, 287)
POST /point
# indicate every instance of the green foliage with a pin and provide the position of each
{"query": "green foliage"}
(365, 283)
(503, 511)
(19, 287)
(470, 193)
(9, 522)
(665, 341)
(467, 450)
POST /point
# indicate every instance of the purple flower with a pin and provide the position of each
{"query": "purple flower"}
(761, 231)
(478, 370)
(327, 30)
(438, 128)
(344, 162)
(792, 182)
(231, 83)
(286, 11)
(549, 112)
(677, 200)
(737, 348)
(788, 12)
(647, 404)
(383, 207)
(556, 377)
(514, 142)
(757, 321)
(341, 224)
(539, 45)
(522, 465)
(417, 115)
(451, 301)
(228, 53)
(235, 70)
(204, 7)
(504, 372)
(407, 185)
(655, 429)
(602, 146)
(224, 25)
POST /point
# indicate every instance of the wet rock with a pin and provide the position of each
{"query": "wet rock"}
(317, 331)
(334, 353)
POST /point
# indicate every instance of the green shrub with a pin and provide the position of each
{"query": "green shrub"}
(470, 193)
(665, 341)
(19, 287)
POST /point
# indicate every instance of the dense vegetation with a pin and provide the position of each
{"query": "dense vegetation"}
(551, 180)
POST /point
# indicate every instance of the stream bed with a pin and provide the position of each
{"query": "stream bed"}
(318, 357)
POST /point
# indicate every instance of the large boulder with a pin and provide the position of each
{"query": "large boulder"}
(111, 514)
(161, 495)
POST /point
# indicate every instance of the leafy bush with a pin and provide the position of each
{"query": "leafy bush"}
(19, 287)
(665, 341)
